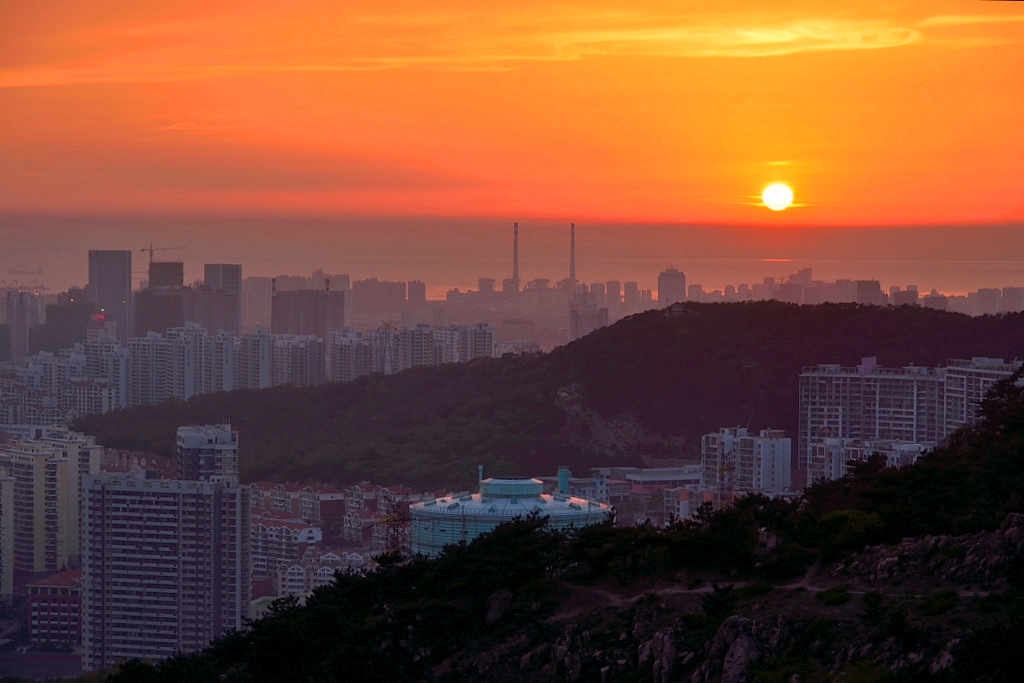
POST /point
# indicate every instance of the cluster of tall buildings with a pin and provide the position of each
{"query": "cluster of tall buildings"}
(847, 413)
(355, 354)
(101, 375)
(164, 301)
(536, 313)
(133, 564)
(138, 556)
(106, 347)
(40, 496)
(802, 288)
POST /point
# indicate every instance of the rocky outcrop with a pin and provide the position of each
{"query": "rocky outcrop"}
(894, 631)
(984, 560)
(741, 648)
(497, 603)
(620, 435)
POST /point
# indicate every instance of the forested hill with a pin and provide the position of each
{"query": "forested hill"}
(649, 385)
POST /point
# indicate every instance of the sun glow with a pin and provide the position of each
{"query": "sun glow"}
(777, 196)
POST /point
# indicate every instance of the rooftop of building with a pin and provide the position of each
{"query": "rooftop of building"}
(274, 514)
(400, 490)
(324, 488)
(71, 578)
(193, 436)
(509, 498)
(120, 462)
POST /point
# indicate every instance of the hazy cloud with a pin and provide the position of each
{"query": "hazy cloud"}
(970, 19)
(743, 40)
(213, 47)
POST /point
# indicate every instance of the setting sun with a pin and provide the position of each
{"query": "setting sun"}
(777, 196)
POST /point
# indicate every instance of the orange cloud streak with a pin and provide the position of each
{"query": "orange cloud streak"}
(640, 111)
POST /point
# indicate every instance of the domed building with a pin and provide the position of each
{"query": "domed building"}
(451, 519)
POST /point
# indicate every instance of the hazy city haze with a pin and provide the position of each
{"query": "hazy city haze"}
(447, 253)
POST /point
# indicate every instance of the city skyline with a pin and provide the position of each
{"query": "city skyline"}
(356, 136)
(949, 258)
(298, 270)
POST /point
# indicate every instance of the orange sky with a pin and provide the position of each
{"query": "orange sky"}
(890, 113)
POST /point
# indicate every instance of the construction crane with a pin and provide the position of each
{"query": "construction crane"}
(151, 249)
(723, 490)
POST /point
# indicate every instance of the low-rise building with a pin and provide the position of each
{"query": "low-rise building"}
(463, 517)
(53, 608)
(278, 539)
(683, 503)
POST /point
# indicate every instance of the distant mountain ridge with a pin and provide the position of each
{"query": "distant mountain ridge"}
(649, 385)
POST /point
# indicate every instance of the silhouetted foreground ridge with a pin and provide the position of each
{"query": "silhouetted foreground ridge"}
(887, 575)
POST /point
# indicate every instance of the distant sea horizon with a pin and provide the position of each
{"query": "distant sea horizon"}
(447, 253)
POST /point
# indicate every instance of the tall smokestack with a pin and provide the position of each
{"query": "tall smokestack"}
(515, 255)
(572, 253)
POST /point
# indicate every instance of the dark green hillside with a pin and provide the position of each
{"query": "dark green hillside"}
(649, 385)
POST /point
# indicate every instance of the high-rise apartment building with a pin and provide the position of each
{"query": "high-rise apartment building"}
(905, 405)
(417, 292)
(671, 286)
(45, 506)
(716, 453)
(110, 288)
(161, 305)
(173, 365)
(967, 382)
(418, 347)
(867, 402)
(309, 311)
(221, 372)
(166, 562)
(764, 462)
(298, 360)
(585, 316)
(108, 361)
(225, 279)
(1013, 299)
(376, 297)
(184, 361)
(6, 534)
(207, 453)
(65, 323)
(255, 360)
(25, 310)
(256, 295)
(476, 341)
(44, 502)
(613, 293)
(147, 385)
(166, 274)
(351, 355)
(735, 461)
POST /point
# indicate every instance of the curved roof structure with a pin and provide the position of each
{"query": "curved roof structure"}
(451, 519)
